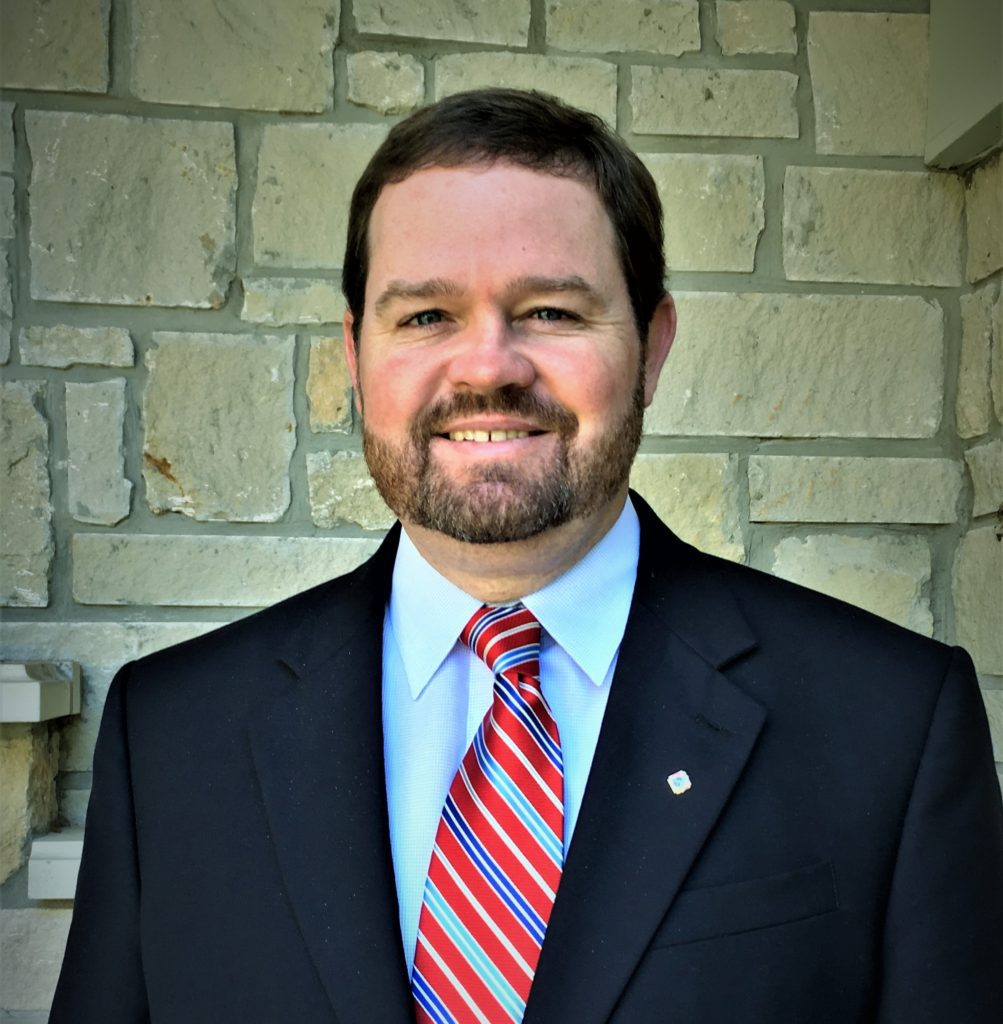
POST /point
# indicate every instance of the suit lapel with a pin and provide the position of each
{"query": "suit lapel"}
(670, 709)
(318, 752)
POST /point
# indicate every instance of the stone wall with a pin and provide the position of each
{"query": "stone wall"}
(178, 441)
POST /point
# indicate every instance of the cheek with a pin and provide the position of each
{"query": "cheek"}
(394, 390)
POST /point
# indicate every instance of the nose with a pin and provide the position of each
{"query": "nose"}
(490, 355)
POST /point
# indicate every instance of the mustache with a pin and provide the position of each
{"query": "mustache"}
(511, 400)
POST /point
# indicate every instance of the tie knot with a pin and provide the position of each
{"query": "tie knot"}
(506, 638)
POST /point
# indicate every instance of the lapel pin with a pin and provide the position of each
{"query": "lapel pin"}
(679, 783)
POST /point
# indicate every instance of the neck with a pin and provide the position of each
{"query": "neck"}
(496, 573)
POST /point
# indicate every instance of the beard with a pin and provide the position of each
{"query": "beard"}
(501, 504)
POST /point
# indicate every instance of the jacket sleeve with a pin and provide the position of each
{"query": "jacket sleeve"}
(101, 981)
(943, 938)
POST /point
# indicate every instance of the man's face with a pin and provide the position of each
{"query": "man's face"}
(499, 370)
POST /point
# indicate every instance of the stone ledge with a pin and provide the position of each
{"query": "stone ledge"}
(54, 864)
(35, 691)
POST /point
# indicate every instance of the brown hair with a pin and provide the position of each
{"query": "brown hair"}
(535, 131)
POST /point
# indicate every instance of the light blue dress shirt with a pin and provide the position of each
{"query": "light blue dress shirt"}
(436, 691)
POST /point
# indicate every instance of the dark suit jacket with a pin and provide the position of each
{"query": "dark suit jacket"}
(839, 857)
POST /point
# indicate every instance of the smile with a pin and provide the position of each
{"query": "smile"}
(487, 436)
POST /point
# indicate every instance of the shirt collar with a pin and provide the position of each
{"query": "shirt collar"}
(427, 611)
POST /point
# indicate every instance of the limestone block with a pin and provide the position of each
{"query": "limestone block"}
(880, 227)
(65, 345)
(26, 546)
(131, 211)
(29, 761)
(974, 404)
(95, 420)
(802, 366)
(219, 426)
(997, 356)
(195, 571)
(994, 712)
(292, 300)
(342, 491)
(6, 306)
(101, 648)
(33, 943)
(55, 44)
(713, 209)
(755, 26)
(869, 82)
(7, 137)
(6, 207)
(978, 598)
(306, 173)
(984, 211)
(697, 495)
(389, 83)
(582, 81)
(694, 101)
(844, 489)
(888, 576)
(985, 463)
(650, 26)
(73, 806)
(252, 54)
(505, 23)
(327, 386)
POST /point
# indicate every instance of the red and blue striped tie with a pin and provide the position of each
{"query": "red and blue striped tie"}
(499, 849)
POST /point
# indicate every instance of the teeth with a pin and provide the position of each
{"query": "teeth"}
(483, 436)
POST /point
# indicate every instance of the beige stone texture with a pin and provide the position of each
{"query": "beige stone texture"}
(32, 943)
(26, 545)
(65, 345)
(98, 184)
(95, 419)
(697, 495)
(887, 575)
(55, 44)
(695, 101)
(219, 426)
(389, 83)
(984, 211)
(802, 366)
(848, 489)
(7, 137)
(649, 26)
(985, 463)
(292, 300)
(250, 54)
(978, 598)
(101, 648)
(6, 207)
(327, 386)
(504, 23)
(755, 26)
(996, 359)
(713, 209)
(201, 571)
(877, 227)
(974, 403)
(869, 82)
(306, 173)
(342, 491)
(582, 81)
(29, 761)
(994, 712)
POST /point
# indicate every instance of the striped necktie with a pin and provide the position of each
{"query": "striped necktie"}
(499, 848)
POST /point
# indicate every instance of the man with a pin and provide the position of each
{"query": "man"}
(643, 785)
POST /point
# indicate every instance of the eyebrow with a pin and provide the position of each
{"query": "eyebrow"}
(400, 289)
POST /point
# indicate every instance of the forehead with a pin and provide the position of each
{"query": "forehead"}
(467, 222)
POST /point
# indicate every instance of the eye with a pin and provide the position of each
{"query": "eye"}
(426, 318)
(550, 314)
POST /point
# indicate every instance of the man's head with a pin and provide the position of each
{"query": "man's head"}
(492, 332)
(530, 130)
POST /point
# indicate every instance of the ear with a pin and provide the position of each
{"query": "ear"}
(352, 358)
(661, 332)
